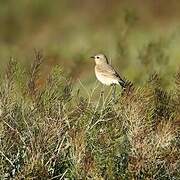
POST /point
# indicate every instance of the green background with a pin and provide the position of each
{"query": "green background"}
(140, 37)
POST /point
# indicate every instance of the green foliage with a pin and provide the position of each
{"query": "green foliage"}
(53, 132)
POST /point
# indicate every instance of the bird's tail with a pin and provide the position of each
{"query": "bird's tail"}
(127, 86)
(122, 83)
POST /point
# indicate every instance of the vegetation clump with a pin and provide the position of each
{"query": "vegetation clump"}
(52, 131)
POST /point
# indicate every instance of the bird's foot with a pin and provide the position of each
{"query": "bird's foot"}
(102, 93)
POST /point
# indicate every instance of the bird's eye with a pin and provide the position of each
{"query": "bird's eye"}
(97, 57)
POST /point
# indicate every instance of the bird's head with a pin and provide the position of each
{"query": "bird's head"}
(100, 59)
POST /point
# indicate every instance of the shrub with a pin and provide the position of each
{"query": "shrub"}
(53, 132)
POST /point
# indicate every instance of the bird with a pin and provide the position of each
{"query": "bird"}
(105, 73)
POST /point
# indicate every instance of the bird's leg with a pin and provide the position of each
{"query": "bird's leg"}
(114, 92)
(102, 94)
(102, 91)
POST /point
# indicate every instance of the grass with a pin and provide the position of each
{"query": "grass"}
(53, 131)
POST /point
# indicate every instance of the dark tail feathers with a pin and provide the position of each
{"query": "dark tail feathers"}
(125, 84)
(122, 83)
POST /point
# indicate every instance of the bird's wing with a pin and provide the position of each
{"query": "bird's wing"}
(117, 75)
(108, 71)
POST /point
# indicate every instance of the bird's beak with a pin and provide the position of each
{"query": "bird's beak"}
(92, 57)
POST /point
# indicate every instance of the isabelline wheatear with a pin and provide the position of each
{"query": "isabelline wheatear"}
(105, 73)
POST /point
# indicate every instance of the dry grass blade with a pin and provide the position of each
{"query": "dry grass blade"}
(34, 73)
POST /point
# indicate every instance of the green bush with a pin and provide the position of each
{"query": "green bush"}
(51, 131)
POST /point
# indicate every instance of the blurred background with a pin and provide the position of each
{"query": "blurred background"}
(139, 36)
